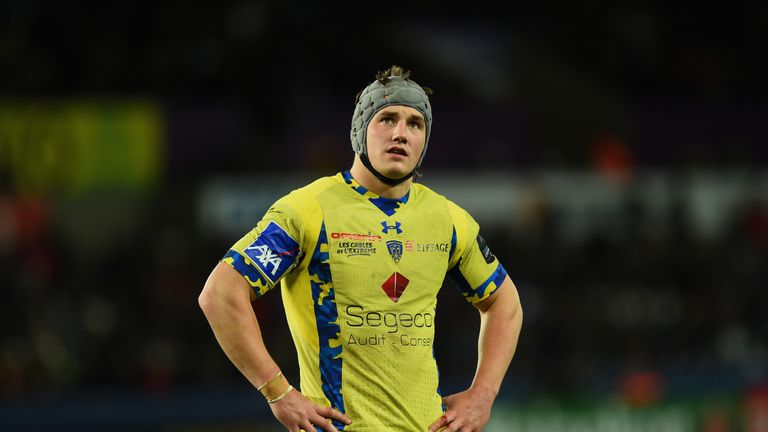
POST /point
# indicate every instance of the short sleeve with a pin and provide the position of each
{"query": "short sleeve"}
(472, 266)
(270, 250)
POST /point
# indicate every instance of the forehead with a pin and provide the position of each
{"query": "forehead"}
(400, 110)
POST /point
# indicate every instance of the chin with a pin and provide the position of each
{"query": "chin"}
(395, 173)
(392, 169)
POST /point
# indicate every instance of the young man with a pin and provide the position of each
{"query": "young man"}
(361, 256)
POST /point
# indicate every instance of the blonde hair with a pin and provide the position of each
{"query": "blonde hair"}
(394, 71)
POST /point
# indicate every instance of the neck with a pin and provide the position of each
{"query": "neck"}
(369, 181)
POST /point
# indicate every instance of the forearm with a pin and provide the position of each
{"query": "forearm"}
(500, 322)
(499, 331)
(226, 304)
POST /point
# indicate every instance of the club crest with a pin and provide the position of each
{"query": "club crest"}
(395, 248)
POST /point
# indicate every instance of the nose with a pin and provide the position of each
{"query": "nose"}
(398, 132)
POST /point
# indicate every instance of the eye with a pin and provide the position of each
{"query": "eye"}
(415, 124)
(387, 120)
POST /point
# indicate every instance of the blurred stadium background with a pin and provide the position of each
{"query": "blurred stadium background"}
(615, 157)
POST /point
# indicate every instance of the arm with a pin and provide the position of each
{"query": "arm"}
(226, 303)
(501, 317)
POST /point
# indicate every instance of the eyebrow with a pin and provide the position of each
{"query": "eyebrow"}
(395, 113)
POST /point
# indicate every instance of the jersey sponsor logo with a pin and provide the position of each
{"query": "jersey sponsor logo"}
(355, 248)
(395, 286)
(397, 227)
(485, 250)
(356, 236)
(412, 246)
(358, 316)
(395, 248)
(265, 257)
(274, 251)
(389, 327)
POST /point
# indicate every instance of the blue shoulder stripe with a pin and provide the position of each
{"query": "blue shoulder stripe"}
(253, 276)
(497, 278)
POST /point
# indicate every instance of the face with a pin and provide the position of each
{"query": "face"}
(396, 136)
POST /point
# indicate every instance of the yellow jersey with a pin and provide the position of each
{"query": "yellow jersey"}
(359, 276)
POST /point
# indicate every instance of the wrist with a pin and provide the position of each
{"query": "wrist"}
(485, 392)
(282, 395)
(275, 388)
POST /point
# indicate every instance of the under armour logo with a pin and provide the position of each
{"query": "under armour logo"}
(395, 227)
(267, 257)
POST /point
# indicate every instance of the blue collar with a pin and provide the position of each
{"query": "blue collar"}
(387, 205)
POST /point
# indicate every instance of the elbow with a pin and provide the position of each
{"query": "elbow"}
(209, 299)
(512, 312)
(205, 301)
(222, 295)
(517, 311)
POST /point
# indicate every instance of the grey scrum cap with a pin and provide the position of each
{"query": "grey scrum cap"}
(395, 91)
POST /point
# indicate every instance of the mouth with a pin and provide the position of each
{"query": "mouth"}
(397, 151)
